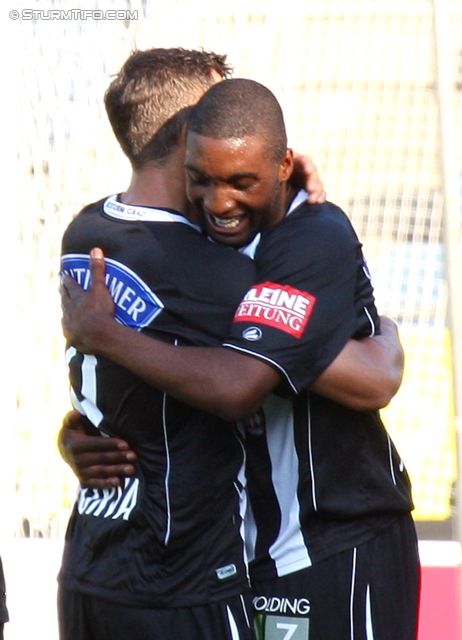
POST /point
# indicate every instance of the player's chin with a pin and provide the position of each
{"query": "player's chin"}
(235, 240)
(236, 237)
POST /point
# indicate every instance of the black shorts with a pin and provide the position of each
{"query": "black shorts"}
(370, 592)
(86, 618)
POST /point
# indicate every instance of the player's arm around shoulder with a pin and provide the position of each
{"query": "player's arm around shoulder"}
(217, 380)
(367, 373)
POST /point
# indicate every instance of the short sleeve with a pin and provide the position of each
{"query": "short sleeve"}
(303, 308)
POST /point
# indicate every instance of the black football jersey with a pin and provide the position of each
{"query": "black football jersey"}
(321, 478)
(172, 535)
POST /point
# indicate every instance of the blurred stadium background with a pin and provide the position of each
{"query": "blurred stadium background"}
(371, 89)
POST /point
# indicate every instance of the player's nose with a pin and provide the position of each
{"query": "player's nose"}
(218, 201)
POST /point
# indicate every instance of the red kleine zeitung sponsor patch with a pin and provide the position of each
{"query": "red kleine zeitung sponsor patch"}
(278, 306)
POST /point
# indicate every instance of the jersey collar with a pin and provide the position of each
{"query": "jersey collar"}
(131, 213)
(250, 249)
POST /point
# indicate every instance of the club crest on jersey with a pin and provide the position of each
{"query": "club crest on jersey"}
(136, 305)
(252, 334)
(278, 306)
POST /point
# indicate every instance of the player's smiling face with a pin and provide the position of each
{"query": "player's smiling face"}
(237, 189)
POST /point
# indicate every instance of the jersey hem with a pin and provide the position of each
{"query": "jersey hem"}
(271, 571)
(153, 601)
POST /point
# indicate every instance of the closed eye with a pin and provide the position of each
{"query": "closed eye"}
(197, 178)
(242, 185)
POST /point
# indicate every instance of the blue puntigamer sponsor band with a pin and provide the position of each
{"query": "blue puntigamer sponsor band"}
(136, 305)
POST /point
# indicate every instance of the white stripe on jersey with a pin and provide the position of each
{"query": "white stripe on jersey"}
(88, 410)
(250, 533)
(91, 411)
(352, 594)
(390, 458)
(289, 551)
(76, 402)
(168, 466)
(70, 353)
(120, 211)
(89, 389)
(310, 455)
(265, 359)
(244, 503)
(167, 469)
(371, 322)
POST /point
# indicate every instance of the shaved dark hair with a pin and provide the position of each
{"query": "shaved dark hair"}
(240, 108)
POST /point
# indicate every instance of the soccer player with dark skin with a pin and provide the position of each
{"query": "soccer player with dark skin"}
(239, 183)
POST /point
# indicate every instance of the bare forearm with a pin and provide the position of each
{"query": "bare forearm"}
(367, 373)
(216, 380)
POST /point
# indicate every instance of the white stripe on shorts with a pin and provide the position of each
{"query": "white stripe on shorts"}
(244, 609)
(369, 627)
(232, 625)
(352, 593)
(368, 612)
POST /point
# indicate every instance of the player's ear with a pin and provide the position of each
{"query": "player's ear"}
(286, 166)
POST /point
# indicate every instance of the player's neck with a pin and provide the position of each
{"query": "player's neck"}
(290, 194)
(157, 187)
